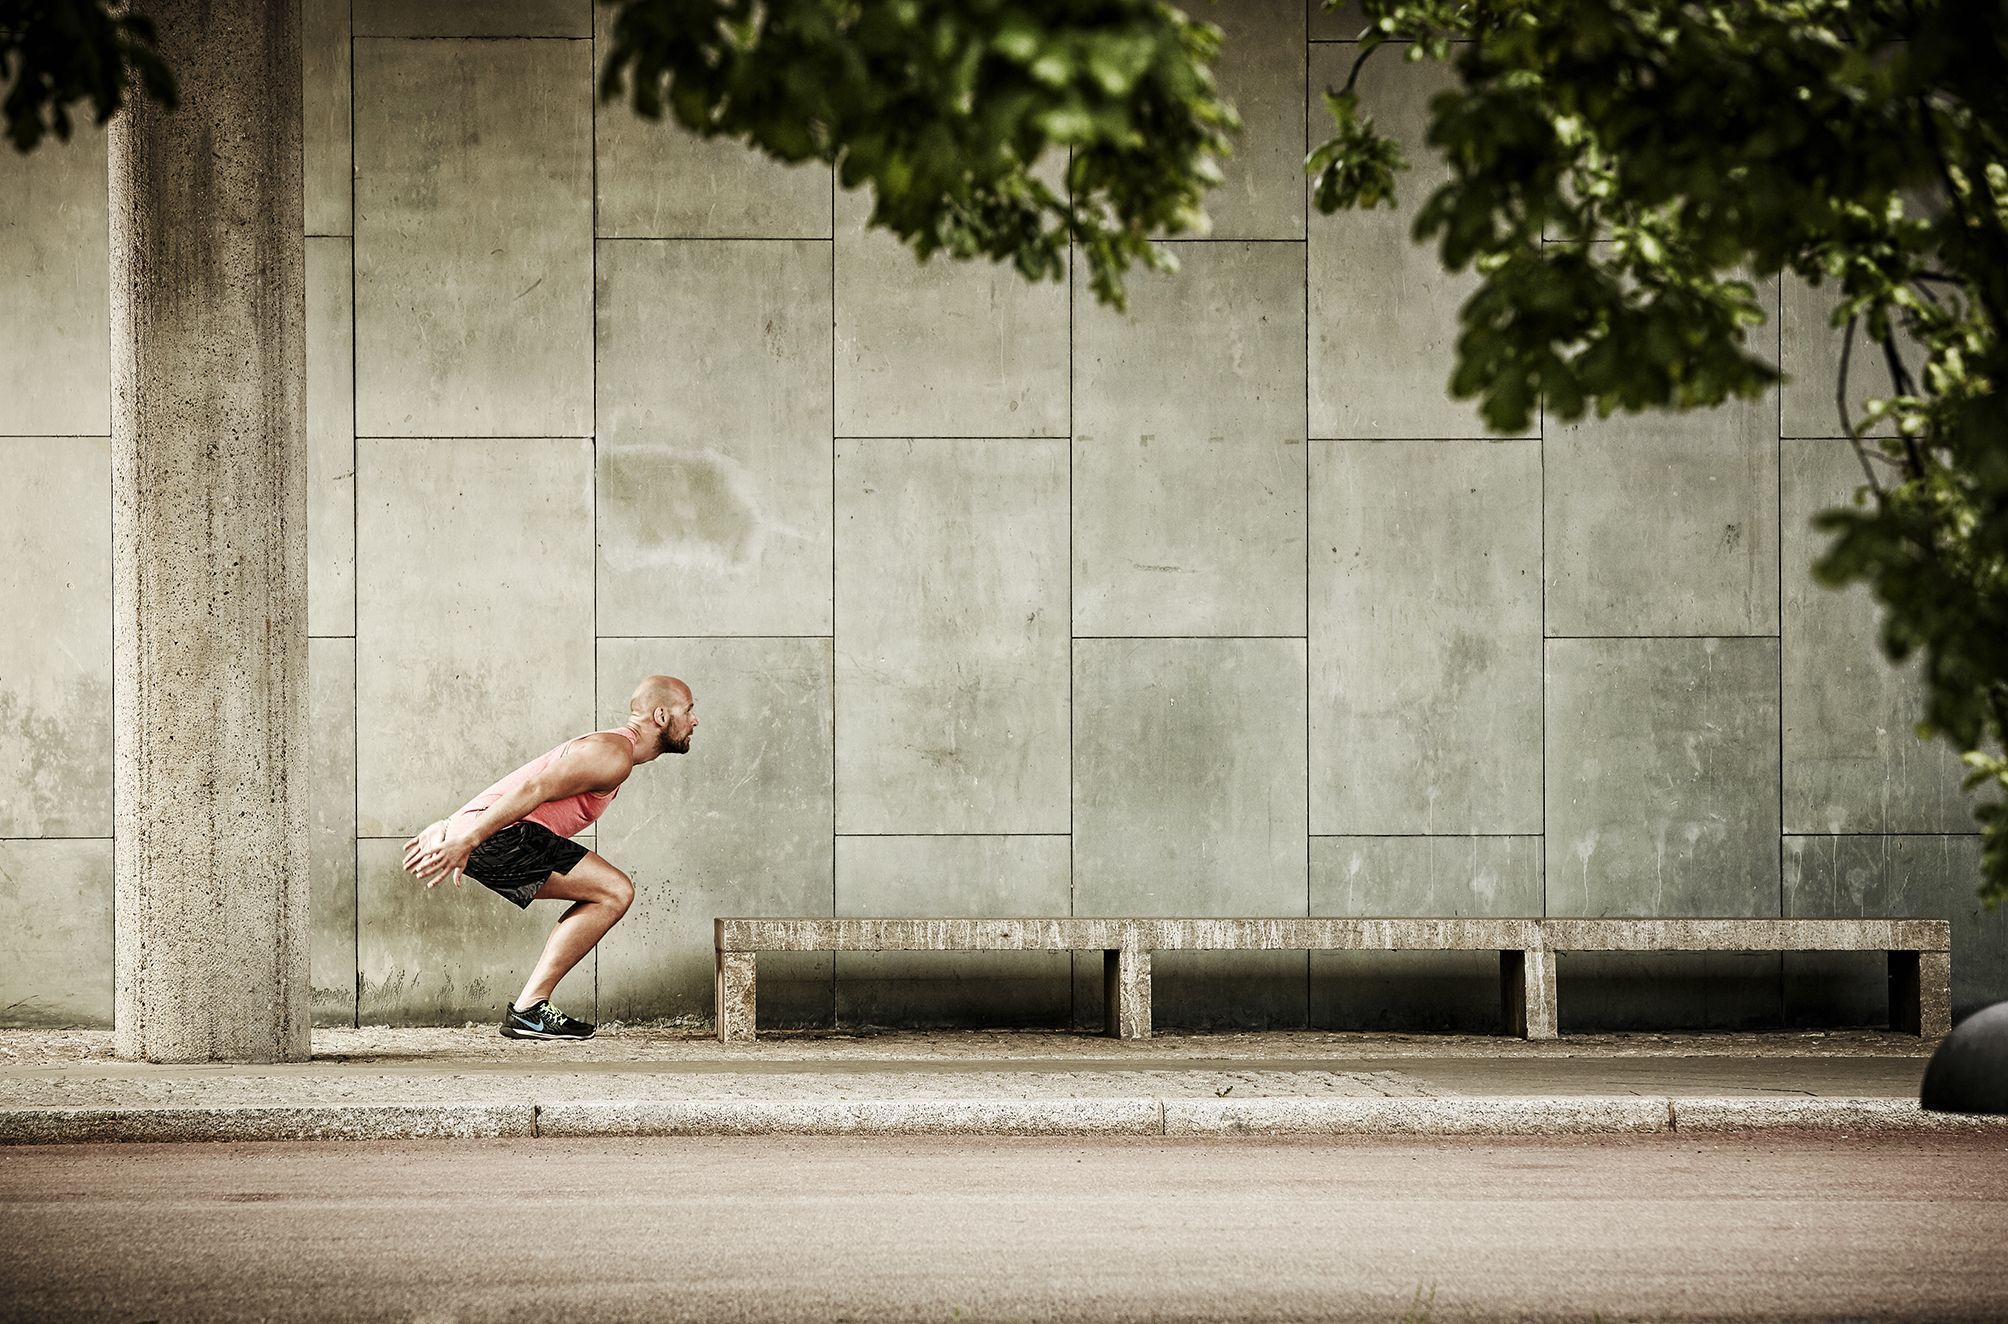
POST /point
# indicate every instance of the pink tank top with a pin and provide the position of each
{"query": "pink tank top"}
(567, 816)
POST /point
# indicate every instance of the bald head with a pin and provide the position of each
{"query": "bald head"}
(657, 692)
(660, 707)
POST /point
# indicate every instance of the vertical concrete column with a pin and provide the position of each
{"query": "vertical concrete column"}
(208, 315)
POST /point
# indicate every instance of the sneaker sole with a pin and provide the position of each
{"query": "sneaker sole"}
(511, 1032)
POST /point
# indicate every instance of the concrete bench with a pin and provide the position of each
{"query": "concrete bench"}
(1919, 951)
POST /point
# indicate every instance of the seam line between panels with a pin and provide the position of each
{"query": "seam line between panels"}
(1541, 517)
(833, 580)
(1304, 237)
(465, 36)
(355, 563)
(709, 238)
(1541, 521)
(1073, 902)
(1777, 460)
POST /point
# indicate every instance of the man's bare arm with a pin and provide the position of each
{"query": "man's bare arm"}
(593, 764)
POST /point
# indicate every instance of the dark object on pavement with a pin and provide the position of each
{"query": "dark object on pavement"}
(1969, 1072)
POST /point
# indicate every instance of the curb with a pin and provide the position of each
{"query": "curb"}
(1541, 1115)
(1270, 1116)
(1702, 1116)
(419, 1121)
(976, 1117)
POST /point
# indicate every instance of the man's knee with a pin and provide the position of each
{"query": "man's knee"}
(595, 879)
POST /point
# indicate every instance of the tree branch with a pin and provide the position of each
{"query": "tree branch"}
(1841, 404)
(1359, 63)
(1899, 377)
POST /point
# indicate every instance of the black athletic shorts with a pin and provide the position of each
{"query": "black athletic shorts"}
(517, 860)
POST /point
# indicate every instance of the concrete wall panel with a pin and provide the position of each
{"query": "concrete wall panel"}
(474, 256)
(485, 660)
(1189, 455)
(1383, 314)
(474, 18)
(447, 955)
(324, 102)
(954, 876)
(714, 438)
(1335, 21)
(952, 662)
(55, 319)
(1417, 876)
(1260, 71)
(56, 944)
(1853, 762)
(331, 827)
(1189, 799)
(1850, 877)
(1662, 777)
(658, 180)
(56, 652)
(741, 825)
(941, 348)
(1664, 523)
(1425, 637)
(331, 440)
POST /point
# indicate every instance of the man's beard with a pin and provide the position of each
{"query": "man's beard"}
(676, 746)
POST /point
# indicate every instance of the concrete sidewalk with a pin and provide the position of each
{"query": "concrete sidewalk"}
(379, 1083)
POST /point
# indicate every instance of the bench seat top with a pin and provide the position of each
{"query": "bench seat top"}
(823, 933)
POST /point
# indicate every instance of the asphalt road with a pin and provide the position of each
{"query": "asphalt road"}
(1814, 1227)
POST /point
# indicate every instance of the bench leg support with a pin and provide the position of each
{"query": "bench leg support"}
(735, 997)
(1126, 993)
(1920, 993)
(1527, 992)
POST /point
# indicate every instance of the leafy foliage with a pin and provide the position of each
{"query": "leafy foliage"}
(55, 53)
(944, 107)
(1617, 165)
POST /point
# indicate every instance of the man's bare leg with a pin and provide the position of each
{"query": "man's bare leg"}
(600, 894)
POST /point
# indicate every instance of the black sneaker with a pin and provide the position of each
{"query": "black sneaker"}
(543, 1021)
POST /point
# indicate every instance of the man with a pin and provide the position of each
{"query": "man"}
(513, 838)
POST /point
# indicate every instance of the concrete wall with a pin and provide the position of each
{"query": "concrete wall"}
(994, 601)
